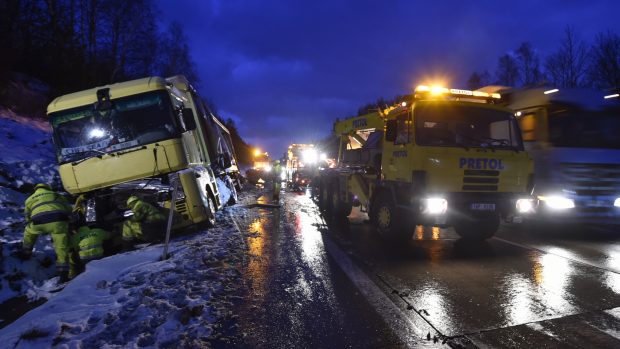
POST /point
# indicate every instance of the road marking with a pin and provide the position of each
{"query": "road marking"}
(570, 258)
(400, 323)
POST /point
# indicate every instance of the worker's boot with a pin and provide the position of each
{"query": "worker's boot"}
(64, 276)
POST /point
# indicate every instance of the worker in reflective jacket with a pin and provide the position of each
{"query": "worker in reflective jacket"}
(47, 212)
(146, 223)
(88, 242)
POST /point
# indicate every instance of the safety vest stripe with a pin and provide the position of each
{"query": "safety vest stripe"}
(47, 202)
(89, 247)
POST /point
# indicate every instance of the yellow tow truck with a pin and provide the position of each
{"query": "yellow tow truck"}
(444, 157)
(144, 137)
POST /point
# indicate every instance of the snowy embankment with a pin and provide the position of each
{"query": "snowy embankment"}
(26, 158)
(136, 300)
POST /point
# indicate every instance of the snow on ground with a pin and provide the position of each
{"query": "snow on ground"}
(224, 191)
(26, 158)
(136, 300)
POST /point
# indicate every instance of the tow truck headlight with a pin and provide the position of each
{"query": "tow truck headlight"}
(617, 202)
(435, 206)
(557, 202)
(525, 205)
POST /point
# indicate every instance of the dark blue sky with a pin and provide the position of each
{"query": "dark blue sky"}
(285, 69)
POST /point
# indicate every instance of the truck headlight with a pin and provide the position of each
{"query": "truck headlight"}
(525, 205)
(557, 202)
(617, 202)
(435, 206)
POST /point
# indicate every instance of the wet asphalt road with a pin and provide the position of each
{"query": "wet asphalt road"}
(519, 289)
(296, 296)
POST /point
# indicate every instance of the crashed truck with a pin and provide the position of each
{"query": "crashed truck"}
(572, 134)
(442, 157)
(153, 138)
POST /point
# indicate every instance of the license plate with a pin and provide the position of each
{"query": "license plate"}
(482, 207)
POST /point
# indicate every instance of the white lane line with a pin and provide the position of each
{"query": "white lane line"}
(570, 258)
(400, 323)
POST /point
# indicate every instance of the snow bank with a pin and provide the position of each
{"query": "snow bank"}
(135, 300)
(225, 192)
(26, 158)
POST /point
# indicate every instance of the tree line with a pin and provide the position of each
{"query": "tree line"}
(574, 63)
(77, 44)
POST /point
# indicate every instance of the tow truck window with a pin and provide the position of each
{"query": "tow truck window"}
(132, 121)
(402, 129)
(465, 126)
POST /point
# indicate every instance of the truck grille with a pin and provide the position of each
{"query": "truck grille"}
(592, 179)
(480, 180)
(180, 207)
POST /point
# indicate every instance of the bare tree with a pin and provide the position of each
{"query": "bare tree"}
(568, 65)
(477, 80)
(529, 64)
(175, 57)
(604, 69)
(507, 72)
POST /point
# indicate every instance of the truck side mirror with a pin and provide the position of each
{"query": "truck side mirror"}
(187, 118)
(391, 130)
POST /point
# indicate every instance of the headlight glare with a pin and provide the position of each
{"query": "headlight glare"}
(525, 205)
(557, 202)
(435, 205)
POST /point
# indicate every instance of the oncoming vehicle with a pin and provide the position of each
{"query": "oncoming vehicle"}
(145, 138)
(572, 135)
(441, 157)
(301, 180)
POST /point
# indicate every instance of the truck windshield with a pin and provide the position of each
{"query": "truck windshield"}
(581, 129)
(131, 121)
(451, 125)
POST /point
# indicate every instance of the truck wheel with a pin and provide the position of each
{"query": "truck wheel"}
(340, 209)
(477, 229)
(390, 224)
(210, 212)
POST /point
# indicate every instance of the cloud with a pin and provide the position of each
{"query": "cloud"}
(286, 69)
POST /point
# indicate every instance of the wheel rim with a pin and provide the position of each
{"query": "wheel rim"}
(384, 217)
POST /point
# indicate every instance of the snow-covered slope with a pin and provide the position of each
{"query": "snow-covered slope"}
(26, 158)
(136, 300)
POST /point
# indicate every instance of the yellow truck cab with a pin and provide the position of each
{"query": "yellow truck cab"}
(139, 138)
(441, 157)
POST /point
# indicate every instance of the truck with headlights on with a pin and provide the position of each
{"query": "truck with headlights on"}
(148, 138)
(572, 134)
(442, 157)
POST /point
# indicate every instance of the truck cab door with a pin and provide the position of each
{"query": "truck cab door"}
(396, 152)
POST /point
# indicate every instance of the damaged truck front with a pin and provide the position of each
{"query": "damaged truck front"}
(142, 138)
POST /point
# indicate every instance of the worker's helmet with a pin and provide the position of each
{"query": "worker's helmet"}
(42, 186)
(131, 200)
(277, 162)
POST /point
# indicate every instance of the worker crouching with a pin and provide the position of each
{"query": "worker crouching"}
(146, 223)
(47, 212)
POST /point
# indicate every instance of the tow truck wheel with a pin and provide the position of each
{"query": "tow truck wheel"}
(477, 229)
(210, 212)
(390, 225)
